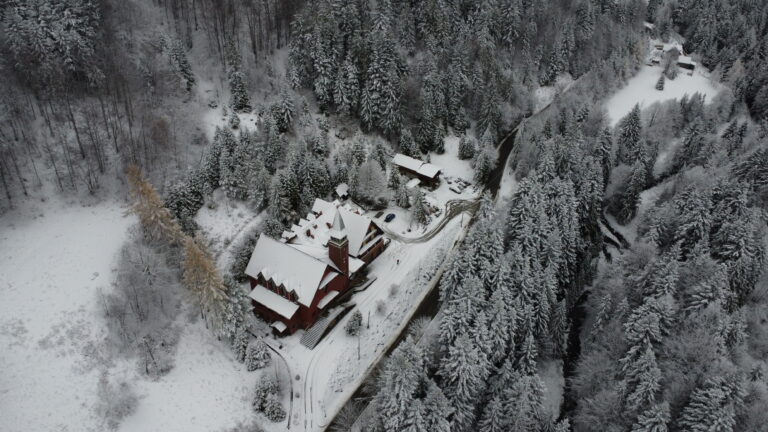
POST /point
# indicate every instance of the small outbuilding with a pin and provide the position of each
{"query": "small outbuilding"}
(342, 191)
(686, 62)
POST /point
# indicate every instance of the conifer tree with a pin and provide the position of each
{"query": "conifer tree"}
(419, 210)
(402, 197)
(202, 278)
(466, 147)
(407, 144)
(347, 90)
(240, 101)
(257, 355)
(629, 137)
(712, 407)
(464, 370)
(157, 222)
(177, 56)
(654, 419)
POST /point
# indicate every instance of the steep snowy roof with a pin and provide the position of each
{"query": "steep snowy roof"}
(342, 189)
(288, 266)
(355, 224)
(275, 302)
(327, 299)
(415, 165)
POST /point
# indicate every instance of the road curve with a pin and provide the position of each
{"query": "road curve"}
(453, 208)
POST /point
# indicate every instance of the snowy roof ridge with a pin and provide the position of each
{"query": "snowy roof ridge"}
(416, 165)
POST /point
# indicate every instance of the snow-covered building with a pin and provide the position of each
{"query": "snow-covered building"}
(414, 168)
(294, 279)
(686, 62)
(342, 191)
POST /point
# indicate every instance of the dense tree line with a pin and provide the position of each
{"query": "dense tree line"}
(416, 68)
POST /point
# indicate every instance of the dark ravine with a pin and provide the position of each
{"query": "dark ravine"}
(578, 315)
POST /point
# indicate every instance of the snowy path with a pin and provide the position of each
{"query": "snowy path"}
(54, 261)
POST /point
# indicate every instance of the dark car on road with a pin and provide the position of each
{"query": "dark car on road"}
(389, 217)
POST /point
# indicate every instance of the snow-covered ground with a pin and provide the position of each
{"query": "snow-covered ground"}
(449, 161)
(551, 373)
(329, 373)
(641, 89)
(225, 220)
(207, 390)
(546, 94)
(55, 258)
(214, 117)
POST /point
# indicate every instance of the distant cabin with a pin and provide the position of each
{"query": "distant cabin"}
(686, 62)
(427, 173)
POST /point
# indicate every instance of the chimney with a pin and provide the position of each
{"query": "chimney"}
(338, 246)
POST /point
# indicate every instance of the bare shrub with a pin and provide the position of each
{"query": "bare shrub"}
(141, 310)
(381, 307)
(116, 401)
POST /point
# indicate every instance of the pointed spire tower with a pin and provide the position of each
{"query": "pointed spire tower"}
(338, 246)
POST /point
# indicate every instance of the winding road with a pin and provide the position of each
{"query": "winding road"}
(453, 208)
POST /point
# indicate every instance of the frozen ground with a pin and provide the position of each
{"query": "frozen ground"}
(214, 117)
(450, 162)
(224, 221)
(55, 257)
(207, 390)
(546, 94)
(641, 89)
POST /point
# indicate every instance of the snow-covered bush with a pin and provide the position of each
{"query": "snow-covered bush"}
(273, 409)
(116, 401)
(264, 388)
(234, 121)
(354, 323)
(141, 310)
(467, 147)
(257, 355)
(240, 344)
(381, 307)
(266, 399)
(242, 254)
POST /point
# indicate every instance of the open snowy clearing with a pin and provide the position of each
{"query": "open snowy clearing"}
(55, 258)
(449, 161)
(641, 89)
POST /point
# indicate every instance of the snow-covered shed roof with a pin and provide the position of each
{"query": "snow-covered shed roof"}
(275, 302)
(286, 265)
(686, 60)
(342, 189)
(415, 165)
(412, 183)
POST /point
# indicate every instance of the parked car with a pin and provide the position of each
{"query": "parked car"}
(390, 217)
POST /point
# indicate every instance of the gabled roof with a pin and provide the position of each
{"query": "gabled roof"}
(357, 227)
(288, 266)
(275, 302)
(415, 165)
